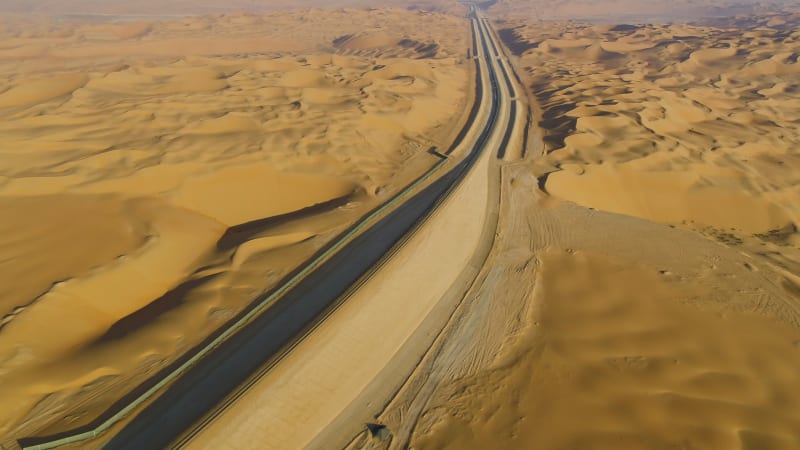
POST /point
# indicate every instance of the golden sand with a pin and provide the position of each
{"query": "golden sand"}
(94, 10)
(639, 11)
(657, 123)
(642, 288)
(131, 150)
(610, 360)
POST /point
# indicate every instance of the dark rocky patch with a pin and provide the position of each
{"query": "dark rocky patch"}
(516, 43)
(624, 27)
(341, 39)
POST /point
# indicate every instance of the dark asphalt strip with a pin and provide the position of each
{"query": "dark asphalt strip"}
(512, 115)
(221, 372)
(476, 105)
(511, 91)
(492, 42)
(218, 374)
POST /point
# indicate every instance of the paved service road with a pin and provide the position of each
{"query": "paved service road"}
(203, 385)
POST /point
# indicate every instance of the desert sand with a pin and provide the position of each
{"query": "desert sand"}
(639, 11)
(97, 9)
(642, 288)
(640, 281)
(321, 393)
(678, 124)
(156, 175)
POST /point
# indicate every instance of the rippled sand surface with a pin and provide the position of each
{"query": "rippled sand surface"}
(643, 290)
(156, 175)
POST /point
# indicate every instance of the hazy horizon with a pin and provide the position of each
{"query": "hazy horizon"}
(620, 10)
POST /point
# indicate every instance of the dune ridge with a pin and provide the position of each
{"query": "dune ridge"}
(602, 366)
(656, 122)
(642, 290)
(96, 10)
(163, 173)
(395, 32)
(622, 12)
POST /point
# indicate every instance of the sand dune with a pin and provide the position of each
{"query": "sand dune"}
(642, 287)
(642, 290)
(603, 365)
(668, 197)
(666, 101)
(94, 9)
(620, 11)
(157, 175)
(211, 194)
(29, 269)
(31, 92)
(421, 33)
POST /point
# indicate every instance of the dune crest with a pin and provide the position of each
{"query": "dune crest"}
(656, 126)
(31, 92)
(602, 365)
(161, 174)
(667, 197)
(643, 288)
(211, 194)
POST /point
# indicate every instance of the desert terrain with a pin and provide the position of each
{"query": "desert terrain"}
(642, 291)
(157, 175)
(101, 9)
(633, 11)
(629, 278)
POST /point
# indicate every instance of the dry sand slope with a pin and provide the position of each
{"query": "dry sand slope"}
(201, 7)
(675, 124)
(639, 10)
(154, 177)
(643, 288)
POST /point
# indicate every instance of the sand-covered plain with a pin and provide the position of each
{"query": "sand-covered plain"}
(155, 176)
(643, 287)
(642, 291)
(95, 9)
(639, 11)
(686, 125)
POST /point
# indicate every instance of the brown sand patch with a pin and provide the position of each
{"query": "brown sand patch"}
(31, 92)
(612, 359)
(369, 40)
(93, 8)
(588, 329)
(657, 127)
(50, 239)
(211, 194)
(623, 13)
(667, 197)
(163, 174)
(394, 32)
